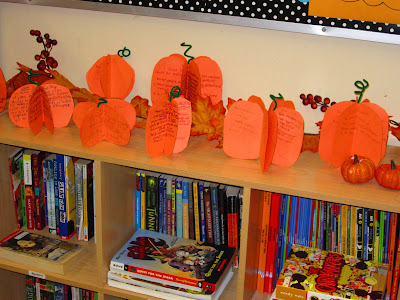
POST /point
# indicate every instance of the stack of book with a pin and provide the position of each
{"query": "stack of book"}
(170, 267)
(53, 190)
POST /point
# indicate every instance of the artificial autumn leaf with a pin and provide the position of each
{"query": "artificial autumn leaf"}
(218, 124)
(203, 112)
(319, 124)
(395, 131)
(310, 142)
(141, 105)
(220, 144)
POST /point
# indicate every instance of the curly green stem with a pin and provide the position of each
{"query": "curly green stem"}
(30, 75)
(274, 99)
(102, 101)
(362, 87)
(174, 93)
(189, 47)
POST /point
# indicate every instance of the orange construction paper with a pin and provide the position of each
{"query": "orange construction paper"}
(61, 103)
(281, 103)
(204, 79)
(257, 100)
(168, 72)
(104, 123)
(384, 11)
(161, 128)
(3, 92)
(18, 105)
(243, 127)
(184, 124)
(359, 131)
(385, 123)
(328, 129)
(289, 136)
(111, 77)
(268, 142)
(80, 111)
(39, 111)
(125, 109)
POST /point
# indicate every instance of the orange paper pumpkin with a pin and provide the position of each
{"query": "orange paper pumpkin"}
(243, 128)
(388, 175)
(201, 77)
(3, 92)
(184, 124)
(353, 127)
(111, 77)
(358, 169)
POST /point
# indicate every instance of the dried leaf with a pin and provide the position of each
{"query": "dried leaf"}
(218, 124)
(141, 105)
(395, 131)
(203, 112)
(310, 142)
(230, 102)
(141, 123)
(319, 124)
(220, 144)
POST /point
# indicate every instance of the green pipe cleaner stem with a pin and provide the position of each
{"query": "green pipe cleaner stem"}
(102, 101)
(274, 99)
(30, 75)
(362, 87)
(189, 47)
(174, 93)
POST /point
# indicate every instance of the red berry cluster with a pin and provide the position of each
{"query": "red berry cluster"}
(44, 59)
(316, 101)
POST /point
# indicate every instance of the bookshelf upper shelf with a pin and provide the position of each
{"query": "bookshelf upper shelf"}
(308, 177)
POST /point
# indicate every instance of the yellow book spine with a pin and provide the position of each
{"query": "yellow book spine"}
(353, 230)
(196, 212)
(344, 229)
(143, 201)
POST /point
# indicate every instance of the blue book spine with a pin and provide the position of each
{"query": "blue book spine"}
(292, 227)
(366, 237)
(138, 201)
(215, 215)
(202, 214)
(56, 201)
(386, 243)
(165, 206)
(61, 196)
(161, 203)
(58, 291)
(179, 208)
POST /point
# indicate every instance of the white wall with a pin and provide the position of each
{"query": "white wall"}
(253, 61)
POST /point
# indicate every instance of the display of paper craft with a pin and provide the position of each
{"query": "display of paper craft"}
(351, 127)
(184, 124)
(202, 76)
(32, 105)
(3, 92)
(112, 118)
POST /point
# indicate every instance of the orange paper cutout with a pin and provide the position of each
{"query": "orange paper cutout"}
(111, 77)
(289, 136)
(184, 124)
(202, 78)
(61, 103)
(268, 141)
(161, 128)
(80, 112)
(39, 111)
(243, 128)
(18, 105)
(3, 92)
(104, 123)
(281, 103)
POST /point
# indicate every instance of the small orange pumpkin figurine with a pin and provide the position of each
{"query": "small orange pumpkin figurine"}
(388, 175)
(358, 169)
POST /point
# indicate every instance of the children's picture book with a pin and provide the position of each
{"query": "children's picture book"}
(33, 250)
(314, 274)
(171, 260)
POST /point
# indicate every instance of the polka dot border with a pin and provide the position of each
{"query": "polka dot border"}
(292, 11)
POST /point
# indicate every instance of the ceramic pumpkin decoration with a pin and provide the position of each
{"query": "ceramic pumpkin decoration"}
(354, 127)
(358, 169)
(200, 76)
(243, 127)
(3, 92)
(33, 104)
(388, 175)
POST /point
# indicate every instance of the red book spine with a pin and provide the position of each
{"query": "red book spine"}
(91, 295)
(233, 222)
(208, 213)
(396, 270)
(30, 220)
(391, 251)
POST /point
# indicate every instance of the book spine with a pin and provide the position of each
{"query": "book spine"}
(185, 207)
(22, 187)
(30, 287)
(173, 206)
(179, 207)
(44, 189)
(391, 253)
(365, 235)
(233, 221)
(376, 235)
(360, 232)
(29, 191)
(191, 211)
(169, 206)
(215, 215)
(143, 200)
(202, 214)
(280, 232)
(386, 242)
(196, 208)
(344, 229)
(222, 207)
(138, 199)
(38, 199)
(79, 200)
(88, 201)
(208, 214)
(50, 289)
(396, 268)
(381, 235)
(51, 209)
(58, 291)
(56, 195)
(13, 165)
(161, 203)
(62, 204)
(265, 216)
(151, 202)
(165, 209)
(370, 246)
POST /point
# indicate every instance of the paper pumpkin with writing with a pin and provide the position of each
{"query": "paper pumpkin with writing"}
(201, 77)
(104, 123)
(268, 139)
(184, 124)
(162, 128)
(353, 127)
(55, 96)
(111, 77)
(243, 128)
(3, 92)
(280, 102)
(121, 106)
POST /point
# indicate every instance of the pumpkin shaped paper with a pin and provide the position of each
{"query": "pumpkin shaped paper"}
(388, 175)
(184, 123)
(162, 127)
(49, 95)
(357, 169)
(111, 77)
(3, 92)
(202, 76)
(354, 127)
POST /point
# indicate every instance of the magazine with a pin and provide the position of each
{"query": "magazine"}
(166, 259)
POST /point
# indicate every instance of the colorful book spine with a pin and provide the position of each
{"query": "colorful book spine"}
(396, 268)
(173, 206)
(165, 199)
(185, 208)
(88, 199)
(353, 231)
(376, 235)
(370, 234)
(51, 208)
(152, 201)
(196, 207)
(38, 193)
(22, 187)
(215, 214)
(191, 209)
(208, 212)
(179, 207)
(223, 214)
(30, 288)
(28, 181)
(365, 235)
(203, 233)
(13, 165)
(348, 241)
(169, 205)
(360, 232)
(56, 195)
(264, 231)
(79, 199)
(388, 216)
(143, 199)
(138, 201)
(161, 203)
(392, 252)
(58, 291)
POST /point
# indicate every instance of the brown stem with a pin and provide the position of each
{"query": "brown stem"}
(355, 159)
(392, 165)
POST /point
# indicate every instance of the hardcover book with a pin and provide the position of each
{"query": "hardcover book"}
(13, 164)
(171, 260)
(28, 181)
(310, 273)
(35, 250)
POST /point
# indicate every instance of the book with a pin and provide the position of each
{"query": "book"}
(185, 208)
(34, 250)
(161, 202)
(44, 188)
(13, 165)
(143, 199)
(46, 289)
(79, 199)
(169, 204)
(58, 291)
(22, 188)
(152, 200)
(232, 194)
(28, 181)
(202, 212)
(208, 212)
(215, 213)
(173, 205)
(138, 204)
(164, 205)
(30, 287)
(223, 214)
(192, 235)
(310, 272)
(88, 199)
(51, 201)
(164, 291)
(38, 192)
(172, 260)
(196, 208)
(179, 206)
